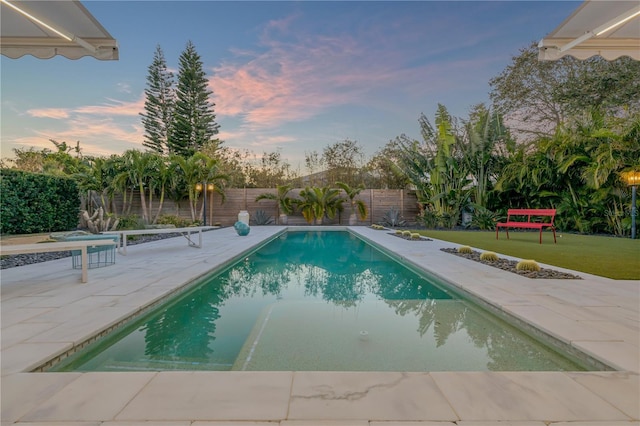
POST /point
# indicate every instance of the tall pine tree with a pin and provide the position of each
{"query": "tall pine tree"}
(158, 105)
(194, 123)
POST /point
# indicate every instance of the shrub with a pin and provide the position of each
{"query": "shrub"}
(484, 219)
(177, 221)
(430, 219)
(527, 265)
(34, 203)
(449, 220)
(415, 236)
(489, 256)
(406, 233)
(260, 217)
(465, 250)
(399, 231)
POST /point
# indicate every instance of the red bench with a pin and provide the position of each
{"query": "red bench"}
(523, 220)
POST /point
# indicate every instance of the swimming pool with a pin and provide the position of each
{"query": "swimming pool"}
(318, 301)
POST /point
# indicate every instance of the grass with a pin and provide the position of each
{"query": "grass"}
(617, 258)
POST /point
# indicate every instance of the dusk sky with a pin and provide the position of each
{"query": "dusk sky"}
(288, 76)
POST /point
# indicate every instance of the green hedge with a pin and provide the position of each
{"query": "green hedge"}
(32, 203)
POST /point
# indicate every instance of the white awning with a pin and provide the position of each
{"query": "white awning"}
(608, 28)
(48, 28)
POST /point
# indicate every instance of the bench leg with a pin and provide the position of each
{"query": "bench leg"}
(85, 264)
(190, 242)
(554, 235)
(540, 235)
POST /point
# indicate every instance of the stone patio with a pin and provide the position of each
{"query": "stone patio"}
(46, 311)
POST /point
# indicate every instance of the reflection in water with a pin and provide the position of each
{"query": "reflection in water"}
(304, 302)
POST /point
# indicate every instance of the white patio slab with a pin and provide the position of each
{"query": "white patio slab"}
(594, 314)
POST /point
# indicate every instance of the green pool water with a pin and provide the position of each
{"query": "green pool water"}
(318, 301)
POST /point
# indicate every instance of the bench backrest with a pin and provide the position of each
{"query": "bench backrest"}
(531, 212)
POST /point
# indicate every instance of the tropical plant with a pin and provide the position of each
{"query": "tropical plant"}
(429, 218)
(358, 207)
(138, 171)
(260, 217)
(195, 170)
(433, 166)
(317, 203)
(284, 203)
(485, 137)
(483, 219)
(393, 218)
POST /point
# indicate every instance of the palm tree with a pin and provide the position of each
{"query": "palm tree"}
(196, 169)
(318, 203)
(358, 207)
(284, 203)
(137, 163)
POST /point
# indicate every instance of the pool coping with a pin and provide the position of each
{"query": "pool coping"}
(42, 307)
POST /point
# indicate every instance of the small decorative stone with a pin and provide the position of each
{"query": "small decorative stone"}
(242, 228)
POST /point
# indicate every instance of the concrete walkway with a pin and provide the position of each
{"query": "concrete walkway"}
(46, 311)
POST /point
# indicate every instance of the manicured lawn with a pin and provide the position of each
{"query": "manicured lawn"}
(617, 258)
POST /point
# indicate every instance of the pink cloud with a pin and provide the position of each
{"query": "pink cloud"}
(55, 113)
(306, 75)
(114, 108)
(101, 129)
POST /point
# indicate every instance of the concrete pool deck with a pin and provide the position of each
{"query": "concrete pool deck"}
(45, 311)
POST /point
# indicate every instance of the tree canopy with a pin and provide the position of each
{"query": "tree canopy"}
(194, 123)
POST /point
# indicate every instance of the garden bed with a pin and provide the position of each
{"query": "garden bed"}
(409, 238)
(510, 265)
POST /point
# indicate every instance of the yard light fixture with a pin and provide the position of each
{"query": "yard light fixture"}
(206, 187)
(633, 180)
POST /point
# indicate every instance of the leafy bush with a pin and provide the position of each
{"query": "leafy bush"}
(392, 218)
(131, 221)
(430, 219)
(260, 217)
(33, 203)
(449, 220)
(177, 221)
(484, 219)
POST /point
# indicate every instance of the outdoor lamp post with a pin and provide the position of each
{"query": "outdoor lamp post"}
(633, 180)
(206, 187)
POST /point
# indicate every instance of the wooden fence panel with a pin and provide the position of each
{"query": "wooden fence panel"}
(225, 213)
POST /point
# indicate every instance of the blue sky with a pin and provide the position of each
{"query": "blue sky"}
(288, 76)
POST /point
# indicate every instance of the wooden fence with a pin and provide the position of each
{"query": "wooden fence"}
(378, 201)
